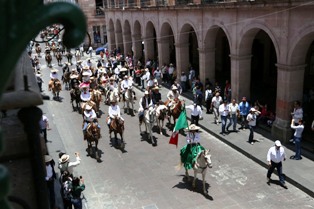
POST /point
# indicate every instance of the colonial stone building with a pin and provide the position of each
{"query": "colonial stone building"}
(265, 48)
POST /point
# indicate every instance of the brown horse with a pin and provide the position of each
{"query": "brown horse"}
(38, 50)
(66, 79)
(59, 58)
(55, 86)
(117, 127)
(175, 110)
(48, 59)
(96, 97)
(93, 136)
(161, 114)
(76, 96)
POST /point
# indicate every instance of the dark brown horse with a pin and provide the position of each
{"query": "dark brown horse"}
(48, 59)
(59, 58)
(117, 127)
(76, 96)
(93, 136)
(66, 79)
(55, 86)
(96, 97)
(175, 110)
(38, 50)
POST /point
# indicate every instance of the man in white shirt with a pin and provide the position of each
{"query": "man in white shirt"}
(224, 113)
(233, 113)
(251, 118)
(196, 113)
(183, 80)
(297, 137)
(113, 111)
(216, 101)
(275, 156)
(89, 116)
(172, 96)
(170, 72)
(65, 165)
(145, 102)
(44, 126)
(125, 84)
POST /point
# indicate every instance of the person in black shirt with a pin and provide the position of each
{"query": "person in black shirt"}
(156, 96)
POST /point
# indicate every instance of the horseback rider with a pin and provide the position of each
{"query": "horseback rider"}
(79, 66)
(125, 84)
(74, 81)
(66, 67)
(89, 116)
(172, 96)
(156, 95)
(190, 151)
(113, 111)
(53, 78)
(145, 103)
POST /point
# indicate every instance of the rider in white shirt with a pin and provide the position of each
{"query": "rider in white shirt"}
(114, 111)
(145, 102)
(89, 116)
(172, 95)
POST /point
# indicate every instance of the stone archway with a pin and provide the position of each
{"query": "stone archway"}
(150, 42)
(127, 38)
(187, 50)
(167, 52)
(111, 35)
(119, 37)
(137, 43)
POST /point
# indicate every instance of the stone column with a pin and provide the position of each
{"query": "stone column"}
(240, 76)
(137, 47)
(127, 42)
(182, 57)
(289, 89)
(163, 51)
(207, 64)
(111, 39)
(119, 40)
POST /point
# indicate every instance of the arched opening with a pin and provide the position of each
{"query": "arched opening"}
(138, 47)
(263, 71)
(127, 39)
(193, 51)
(111, 35)
(167, 54)
(150, 42)
(119, 38)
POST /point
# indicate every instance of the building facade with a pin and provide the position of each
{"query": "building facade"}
(265, 48)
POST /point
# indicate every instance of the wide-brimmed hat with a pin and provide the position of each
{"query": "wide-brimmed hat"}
(85, 96)
(64, 158)
(73, 70)
(146, 92)
(125, 76)
(114, 100)
(54, 70)
(111, 78)
(146, 69)
(88, 107)
(38, 74)
(278, 143)
(73, 76)
(174, 88)
(192, 127)
(85, 73)
(156, 88)
(252, 109)
(79, 61)
(48, 158)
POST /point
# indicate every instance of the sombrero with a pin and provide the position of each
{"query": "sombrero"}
(88, 107)
(146, 92)
(54, 70)
(192, 127)
(64, 158)
(73, 76)
(48, 158)
(174, 88)
(86, 73)
(85, 96)
(156, 88)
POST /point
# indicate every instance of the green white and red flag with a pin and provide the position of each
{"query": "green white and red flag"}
(180, 124)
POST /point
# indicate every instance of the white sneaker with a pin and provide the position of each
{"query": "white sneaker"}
(291, 140)
(252, 143)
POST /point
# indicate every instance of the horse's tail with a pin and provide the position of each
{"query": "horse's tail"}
(179, 166)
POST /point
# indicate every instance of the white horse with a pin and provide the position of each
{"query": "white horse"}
(129, 99)
(114, 95)
(148, 120)
(202, 162)
(161, 114)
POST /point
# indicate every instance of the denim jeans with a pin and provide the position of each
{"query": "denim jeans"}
(77, 203)
(223, 123)
(216, 114)
(243, 121)
(251, 136)
(297, 141)
(233, 120)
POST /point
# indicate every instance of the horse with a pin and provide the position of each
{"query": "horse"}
(92, 137)
(96, 97)
(148, 119)
(69, 57)
(48, 59)
(202, 162)
(76, 96)
(77, 55)
(117, 127)
(175, 110)
(59, 58)
(38, 50)
(55, 86)
(129, 99)
(112, 95)
(161, 114)
(66, 79)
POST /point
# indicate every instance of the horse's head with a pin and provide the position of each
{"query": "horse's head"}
(207, 158)
(94, 130)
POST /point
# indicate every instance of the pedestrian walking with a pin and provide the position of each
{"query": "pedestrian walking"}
(78, 186)
(297, 114)
(216, 101)
(183, 80)
(65, 165)
(244, 108)
(297, 137)
(233, 115)
(40, 81)
(50, 179)
(251, 118)
(208, 99)
(90, 51)
(275, 156)
(196, 113)
(224, 113)
(44, 126)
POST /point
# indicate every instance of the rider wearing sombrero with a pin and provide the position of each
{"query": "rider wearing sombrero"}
(189, 151)
(53, 78)
(113, 111)
(173, 96)
(89, 116)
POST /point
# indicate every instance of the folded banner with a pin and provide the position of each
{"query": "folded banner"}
(180, 124)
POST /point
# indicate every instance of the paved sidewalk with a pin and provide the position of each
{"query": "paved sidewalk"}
(299, 173)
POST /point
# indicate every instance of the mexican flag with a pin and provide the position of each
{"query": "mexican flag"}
(180, 124)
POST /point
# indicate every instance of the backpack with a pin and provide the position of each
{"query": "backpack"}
(67, 189)
(63, 167)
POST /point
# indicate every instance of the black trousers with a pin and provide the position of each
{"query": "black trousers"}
(195, 119)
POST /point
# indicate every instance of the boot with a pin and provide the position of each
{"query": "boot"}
(85, 135)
